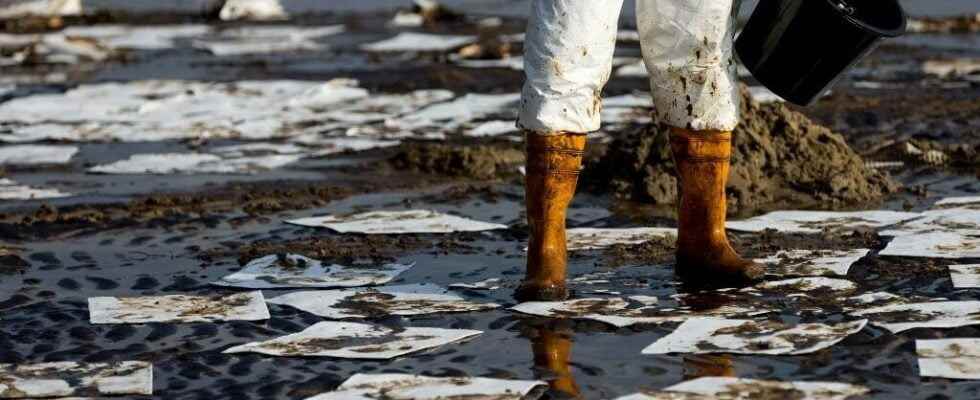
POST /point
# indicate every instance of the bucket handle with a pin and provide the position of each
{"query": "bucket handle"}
(845, 8)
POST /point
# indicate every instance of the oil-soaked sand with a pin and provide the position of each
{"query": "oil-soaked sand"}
(143, 235)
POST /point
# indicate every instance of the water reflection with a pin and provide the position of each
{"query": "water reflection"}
(551, 344)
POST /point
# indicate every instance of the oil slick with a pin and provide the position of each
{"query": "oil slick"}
(949, 358)
(936, 314)
(741, 388)
(716, 335)
(61, 379)
(355, 341)
(295, 271)
(419, 387)
(402, 300)
(395, 222)
(248, 306)
(812, 262)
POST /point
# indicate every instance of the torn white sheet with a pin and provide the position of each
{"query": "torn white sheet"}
(255, 149)
(636, 69)
(514, 63)
(963, 221)
(403, 300)
(597, 238)
(965, 276)
(938, 314)
(11, 9)
(871, 300)
(730, 388)
(10, 190)
(486, 284)
(763, 95)
(491, 128)
(62, 379)
(295, 271)
(333, 145)
(815, 221)
(716, 335)
(812, 262)
(413, 41)
(394, 222)
(615, 311)
(248, 306)
(252, 10)
(464, 109)
(194, 163)
(356, 341)
(29, 154)
(333, 92)
(418, 387)
(266, 39)
(949, 358)
(971, 202)
(818, 284)
(139, 37)
(933, 245)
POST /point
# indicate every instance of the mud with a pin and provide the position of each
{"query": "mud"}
(779, 157)
(956, 24)
(484, 161)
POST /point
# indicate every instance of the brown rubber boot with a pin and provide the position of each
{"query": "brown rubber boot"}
(553, 164)
(552, 355)
(704, 255)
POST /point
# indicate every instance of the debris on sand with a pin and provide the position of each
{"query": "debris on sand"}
(31, 154)
(933, 245)
(252, 10)
(780, 157)
(956, 24)
(249, 306)
(265, 39)
(963, 221)
(936, 314)
(971, 202)
(482, 162)
(486, 284)
(716, 335)
(719, 387)
(63, 379)
(965, 276)
(817, 285)
(424, 13)
(401, 300)
(39, 8)
(419, 42)
(397, 222)
(355, 341)
(617, 312)
(819, 221)
(10, 190)
(949, 358)
(812, 262)
(598, 238)
(295, 271)
(419, 387)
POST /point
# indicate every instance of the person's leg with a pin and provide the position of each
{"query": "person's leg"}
(568, 58)
(687, 47)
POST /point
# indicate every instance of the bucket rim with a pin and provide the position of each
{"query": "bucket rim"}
(897, 31)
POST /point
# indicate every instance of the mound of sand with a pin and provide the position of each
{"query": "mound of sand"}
(781, 159)
(481, 161)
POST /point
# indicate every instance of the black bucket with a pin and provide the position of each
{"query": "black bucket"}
(799, 48)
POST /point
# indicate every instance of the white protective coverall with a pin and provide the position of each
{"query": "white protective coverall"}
(686, 46)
